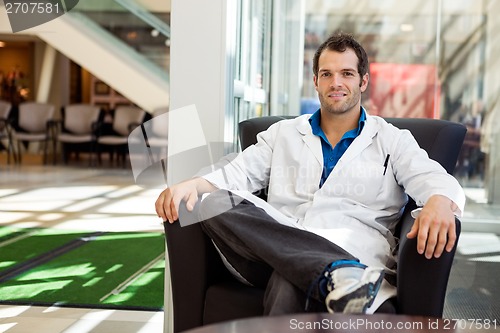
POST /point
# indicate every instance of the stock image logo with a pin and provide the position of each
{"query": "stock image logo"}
(171, 148)
(24, 14)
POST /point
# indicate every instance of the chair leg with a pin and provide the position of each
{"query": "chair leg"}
(123, 160)
(45, 151)
(91, 153)
(10, 151)
(54, 151)
(19, 157)
(65, 153)
(98, 153)
(14, 152)
(111, 156)
(124, 155)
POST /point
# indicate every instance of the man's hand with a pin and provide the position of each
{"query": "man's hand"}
(435, 227)
(167, 204)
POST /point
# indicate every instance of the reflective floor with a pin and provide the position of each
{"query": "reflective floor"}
(107, 199)
(473, 290)
(76, 198)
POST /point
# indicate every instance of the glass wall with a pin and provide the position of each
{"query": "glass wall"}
(141, 28)
(429, 58)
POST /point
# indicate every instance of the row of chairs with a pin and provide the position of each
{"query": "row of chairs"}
(82, 128)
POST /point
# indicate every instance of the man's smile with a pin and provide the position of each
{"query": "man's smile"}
(337, 94)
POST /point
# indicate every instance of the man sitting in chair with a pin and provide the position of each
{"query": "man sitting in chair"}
(338, 181)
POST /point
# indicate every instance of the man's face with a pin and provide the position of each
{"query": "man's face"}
(338, 83)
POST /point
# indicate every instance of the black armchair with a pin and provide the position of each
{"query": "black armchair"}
(203, 291)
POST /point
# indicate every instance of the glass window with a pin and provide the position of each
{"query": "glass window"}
(427, 59)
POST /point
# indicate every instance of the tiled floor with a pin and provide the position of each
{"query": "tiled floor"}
(78, 198)
(107, 199)
(30, 319)
(473, 290)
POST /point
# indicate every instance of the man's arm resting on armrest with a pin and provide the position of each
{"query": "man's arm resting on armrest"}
(434, 227)
(167, 204)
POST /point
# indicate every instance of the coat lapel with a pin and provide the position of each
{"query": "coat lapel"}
(311, 140)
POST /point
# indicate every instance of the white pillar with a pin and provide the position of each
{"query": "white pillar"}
(200, 74)
(46, 74)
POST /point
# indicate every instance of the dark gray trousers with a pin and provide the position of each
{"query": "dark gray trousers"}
(286, 261)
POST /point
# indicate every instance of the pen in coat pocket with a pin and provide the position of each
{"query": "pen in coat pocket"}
(386, 163)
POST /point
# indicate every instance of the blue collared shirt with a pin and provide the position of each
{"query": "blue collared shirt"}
(331, 155)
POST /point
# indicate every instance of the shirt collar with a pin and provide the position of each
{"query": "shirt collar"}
(315, 119)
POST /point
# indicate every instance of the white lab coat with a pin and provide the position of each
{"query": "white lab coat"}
(360, 203)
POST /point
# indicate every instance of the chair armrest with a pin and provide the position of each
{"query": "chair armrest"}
(188, 273)
(96, 126)
(54, 126)
(100, 128)
(6, 129)
(4, 122)
(194, 266)
(421, 282)
(14, 123)
(51, 128)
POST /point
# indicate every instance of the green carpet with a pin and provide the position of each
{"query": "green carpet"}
(122, 270)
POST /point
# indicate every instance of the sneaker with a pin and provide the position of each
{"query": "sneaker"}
(353, 289)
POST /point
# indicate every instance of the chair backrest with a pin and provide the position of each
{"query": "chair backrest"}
(125, 116)
(248, 129)
(78, 118)
(33, 116)
(5, 108)
(437, 137)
